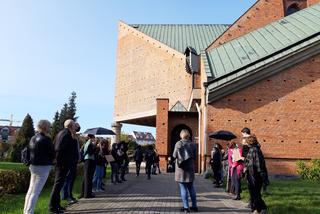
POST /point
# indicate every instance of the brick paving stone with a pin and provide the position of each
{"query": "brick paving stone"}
(158, 195)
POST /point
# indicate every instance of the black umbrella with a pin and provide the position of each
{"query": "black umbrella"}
(222, 135)
(99, 131)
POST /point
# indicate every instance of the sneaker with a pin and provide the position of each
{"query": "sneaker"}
(185, 210)
(72, 201)
(194, 209)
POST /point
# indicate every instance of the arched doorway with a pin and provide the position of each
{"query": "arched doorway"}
(175, 135)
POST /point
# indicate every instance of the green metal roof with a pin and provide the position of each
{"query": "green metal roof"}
(263, 45)
(247, 54)
(179, 36)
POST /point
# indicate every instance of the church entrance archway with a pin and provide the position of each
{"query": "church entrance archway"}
(175, 135)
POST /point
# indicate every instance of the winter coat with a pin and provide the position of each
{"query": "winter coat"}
(185, 174)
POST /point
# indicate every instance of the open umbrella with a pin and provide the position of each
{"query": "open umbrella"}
(99, 131)
(222, 135)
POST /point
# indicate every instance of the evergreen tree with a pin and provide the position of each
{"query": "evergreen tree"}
(23, 138)
(55, 125)
(63, 116)
(71, 112)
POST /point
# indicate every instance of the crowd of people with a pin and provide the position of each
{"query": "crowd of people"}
(245, 161)
(65, 152)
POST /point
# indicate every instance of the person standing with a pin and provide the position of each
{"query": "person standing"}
(71, 174)
(100, 166)
(236, 166)
(63, 145)
(122, 159)
(184, 174)
(115, 165)
(41, 160)
(216, 164)
(149, 158)
(156, 164)
(138, 157)
(89, 167)
(257, 175)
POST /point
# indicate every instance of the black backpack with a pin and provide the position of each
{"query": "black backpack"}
(25, 156)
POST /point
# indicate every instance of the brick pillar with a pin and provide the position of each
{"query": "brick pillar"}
(162, 120)
(116, 128)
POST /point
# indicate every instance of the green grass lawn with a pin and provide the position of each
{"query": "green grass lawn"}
(13, 204)
(11, 165)
(290, 197)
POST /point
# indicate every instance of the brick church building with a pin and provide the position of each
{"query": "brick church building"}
(261, 72)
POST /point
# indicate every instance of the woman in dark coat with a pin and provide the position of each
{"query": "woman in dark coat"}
(256, 172)
(41, 159)
(185, 154)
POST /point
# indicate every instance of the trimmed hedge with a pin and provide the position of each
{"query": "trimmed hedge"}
(17, 181)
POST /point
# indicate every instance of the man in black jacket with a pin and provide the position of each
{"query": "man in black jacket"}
(65, 156)
(71, 174)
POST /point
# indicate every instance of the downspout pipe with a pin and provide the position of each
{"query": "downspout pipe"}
(205, 123)
(199, 136)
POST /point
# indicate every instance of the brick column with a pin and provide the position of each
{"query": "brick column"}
(116, 128)
(162, 121)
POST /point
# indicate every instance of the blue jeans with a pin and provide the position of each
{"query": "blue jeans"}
(97, 178)
(184, 189)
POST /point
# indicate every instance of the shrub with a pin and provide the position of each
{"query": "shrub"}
(17, 181)
(309, 171)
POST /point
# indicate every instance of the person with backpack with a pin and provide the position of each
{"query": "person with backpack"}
(41, 153)
(65, 156)
(185, 154)
(149, 158)
(89, 167)
(138, 157)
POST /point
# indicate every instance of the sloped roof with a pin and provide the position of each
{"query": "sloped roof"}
(179, 36)
(264, 42)
(258, 52)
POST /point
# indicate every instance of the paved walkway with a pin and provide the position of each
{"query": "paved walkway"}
(158, 195)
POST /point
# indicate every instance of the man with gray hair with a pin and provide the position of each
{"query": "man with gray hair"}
(63, 145)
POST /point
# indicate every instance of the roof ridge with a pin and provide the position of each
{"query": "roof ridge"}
(182, 24)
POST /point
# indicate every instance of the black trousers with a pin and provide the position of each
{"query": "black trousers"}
(89, 168)
(122, 169)
(254, 186)
(60, 176)
(216, 175)
(236, 182)
(138, 164)
(148, 169)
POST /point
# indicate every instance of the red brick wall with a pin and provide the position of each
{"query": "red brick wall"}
(162, 122)
(259, 15)
(283, 111)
